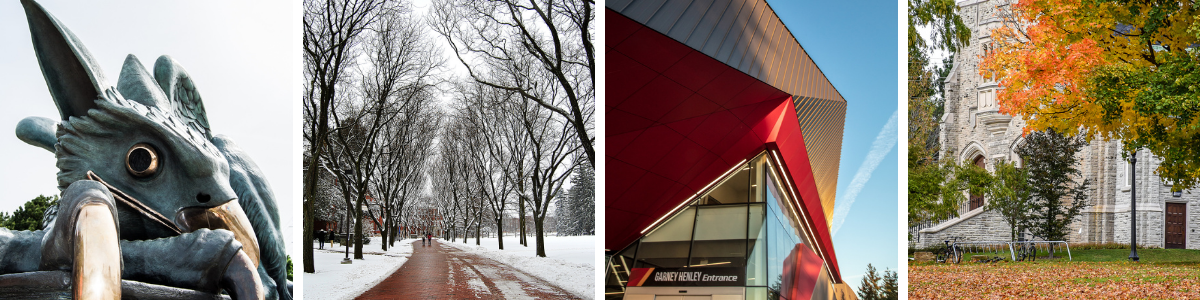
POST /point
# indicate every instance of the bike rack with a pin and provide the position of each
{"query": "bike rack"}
(1012, 251)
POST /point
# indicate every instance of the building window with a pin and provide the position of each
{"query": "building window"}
(987, 100)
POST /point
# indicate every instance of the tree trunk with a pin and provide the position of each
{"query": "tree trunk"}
(541, 239)
(358, 224)
(500, 232)
(395, 231)
(309, 267)
(309, 192)
(386, 229)
(521, 204)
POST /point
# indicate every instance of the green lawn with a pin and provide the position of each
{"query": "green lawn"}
(1145, 255)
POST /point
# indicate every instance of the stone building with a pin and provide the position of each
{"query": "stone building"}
(974, 132)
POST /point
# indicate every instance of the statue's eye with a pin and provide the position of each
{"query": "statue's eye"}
(142, 160)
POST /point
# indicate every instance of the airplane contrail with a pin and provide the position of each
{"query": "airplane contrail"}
(884, 142)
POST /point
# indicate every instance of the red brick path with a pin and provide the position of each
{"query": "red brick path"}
(444, 272)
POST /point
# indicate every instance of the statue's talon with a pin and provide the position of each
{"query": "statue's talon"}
(97, 261)
(241, 279)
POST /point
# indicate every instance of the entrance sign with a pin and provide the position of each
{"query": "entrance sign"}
(723, 276)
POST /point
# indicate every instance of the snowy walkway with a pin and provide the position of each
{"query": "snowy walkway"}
(336, 281)
(567, 258)
(443, 272)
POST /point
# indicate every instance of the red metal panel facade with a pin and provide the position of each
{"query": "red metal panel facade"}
(747, 36)
(677, 119)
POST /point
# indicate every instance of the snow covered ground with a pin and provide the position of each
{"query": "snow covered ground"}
(569, 262)
(335, 281)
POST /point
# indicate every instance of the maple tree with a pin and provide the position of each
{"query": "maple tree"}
(1110, 69)
(1008, 194)
(934, 192)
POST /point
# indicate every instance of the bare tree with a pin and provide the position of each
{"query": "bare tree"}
(352, 153)
(551, 163)
(556, 36)
(399, 76)
(502, 149)
(455, 174)
(331, 29)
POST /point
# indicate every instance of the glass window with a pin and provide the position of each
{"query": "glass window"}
(721, 223)
(740, 187)
(743, 222)
(662, 254)
(756, 293)
(782, 236)
(756, 266)
(678, 228)
(719, 253)
(732, 190)
(758, 169)
(720, 238)
(667, 246)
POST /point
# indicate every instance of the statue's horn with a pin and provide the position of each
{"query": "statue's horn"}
(74, 78)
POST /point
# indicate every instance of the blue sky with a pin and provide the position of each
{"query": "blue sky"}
(855, 44)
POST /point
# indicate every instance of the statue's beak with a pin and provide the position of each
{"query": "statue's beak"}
(228, 216)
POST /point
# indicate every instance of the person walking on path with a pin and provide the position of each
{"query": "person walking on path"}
(321, 238)
(429, 236)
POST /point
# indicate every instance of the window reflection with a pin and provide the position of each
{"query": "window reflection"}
(782, 237)
(720, 237)
(740, 187)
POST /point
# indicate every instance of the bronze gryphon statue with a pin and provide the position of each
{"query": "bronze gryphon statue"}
(152, 205)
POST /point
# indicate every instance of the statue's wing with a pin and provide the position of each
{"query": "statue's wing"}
(181, 91)
(257, 199)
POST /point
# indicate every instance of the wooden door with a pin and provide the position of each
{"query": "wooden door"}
(1175, 226)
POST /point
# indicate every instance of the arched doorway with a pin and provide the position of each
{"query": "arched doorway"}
(977, 199)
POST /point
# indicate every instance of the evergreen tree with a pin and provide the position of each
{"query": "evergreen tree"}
(31, 215)
(583, 196)
(1056, 197)
(870, 288)
(576, 211)
(891, 286)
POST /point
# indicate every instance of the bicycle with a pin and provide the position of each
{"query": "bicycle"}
(950, 252)
(1026, 252)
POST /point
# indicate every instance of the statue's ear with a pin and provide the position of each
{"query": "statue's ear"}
(182, 93)
(38, 131)
(137, 85)
(74, 78)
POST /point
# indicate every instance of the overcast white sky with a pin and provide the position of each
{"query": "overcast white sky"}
(242, 56)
